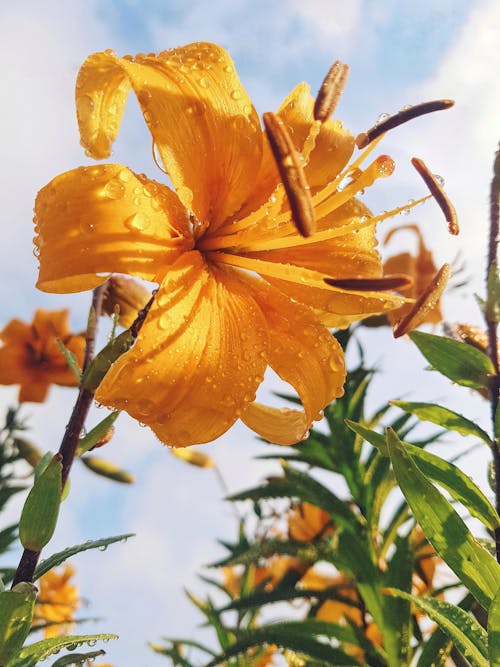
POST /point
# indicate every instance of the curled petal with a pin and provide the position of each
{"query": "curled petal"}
(199, 357)
(119, 222)
(202, 121)
(281, 426)
(304, 354)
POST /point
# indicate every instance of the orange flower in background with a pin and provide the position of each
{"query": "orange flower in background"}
(57, 601)
(30, 355)
(239, 288)
(307, 522)
(420, 267)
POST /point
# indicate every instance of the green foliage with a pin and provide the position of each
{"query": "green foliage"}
(16, 614)
(31, 655)
(102, 362)
(41, 509)
(462, 363)
(97, 433)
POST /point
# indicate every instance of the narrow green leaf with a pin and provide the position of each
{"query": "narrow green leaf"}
(71, 360)
(97, 433)
(34, 653)
(446, 474)
(41, 509)
(107, 469)
(442, 526)
(77, 658)
(16, 615)
(397, 611)
(295, 635)
(467, 634)
(441, 416)
(494, 631)
(493, 296)
(462, 363)
(59, 557)
(103, 361)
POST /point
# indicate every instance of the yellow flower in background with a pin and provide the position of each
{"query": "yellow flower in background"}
(239, 288)
(57, 601)
(30, 355)
(307, 522)
(420, 267)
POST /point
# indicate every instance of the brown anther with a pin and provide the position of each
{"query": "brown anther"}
(439, 194)
(362, 140)
(425, 302)
(330, 91)
(292, 174)
(392, 282)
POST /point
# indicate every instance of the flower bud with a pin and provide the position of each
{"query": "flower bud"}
(193, 456)
(28, 451)
(126, 296)
(41, 509)
(107, 469)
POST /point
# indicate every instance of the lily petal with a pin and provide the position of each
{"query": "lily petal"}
(120, 222)
(304, 354)
(203, 123)
(199, 357)
(280, 426)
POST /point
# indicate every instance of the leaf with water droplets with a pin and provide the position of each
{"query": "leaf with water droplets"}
(16, 614)
(462, 363)
(494, 631)
(61, 556)
(443, 527)
(34, 653)
(467, 634)
(77, 658)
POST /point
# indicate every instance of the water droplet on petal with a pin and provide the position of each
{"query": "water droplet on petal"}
(235, 94)
(136, 222)
(114, 189)
(382, 117)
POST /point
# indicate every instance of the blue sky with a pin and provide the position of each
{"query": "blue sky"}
(400, 53)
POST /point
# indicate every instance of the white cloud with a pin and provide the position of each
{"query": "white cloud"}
(335, 22)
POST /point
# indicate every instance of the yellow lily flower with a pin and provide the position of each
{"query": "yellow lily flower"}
(57, 601)
(31, 357)
(239, 288)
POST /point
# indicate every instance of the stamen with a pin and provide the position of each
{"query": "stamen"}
(330, 91)
(439, 195)
(425, 303)
(292, 174)
(396, 281)
(403, 116)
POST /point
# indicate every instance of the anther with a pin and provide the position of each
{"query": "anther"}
(425, 303)
(362, 140)
(436, 190)
(330, 91)
(292, 174)
(392, 282)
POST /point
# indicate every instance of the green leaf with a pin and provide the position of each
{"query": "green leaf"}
(77, 658)
(448, 419)
(442, 526)
(494, 631)
(71, 360)
(107, 469)
(467, 634)
(59, 557)
(16, 614)
(446, 474)
(103, 361)
(97, 433)
(34, 653)
(397, 611)
(295, 635)
(493, 297)
(462, 363)
(41, 509)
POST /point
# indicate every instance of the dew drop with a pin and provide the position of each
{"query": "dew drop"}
(235, 95)
(382, 118)
(204, 82)
(86, 226)
(84, 105)
(439, 179)
(136, 222)
(114, 189)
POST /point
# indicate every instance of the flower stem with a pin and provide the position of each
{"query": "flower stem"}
(29, 559)
(492, 327)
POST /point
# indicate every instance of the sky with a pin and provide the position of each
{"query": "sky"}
(400, 53)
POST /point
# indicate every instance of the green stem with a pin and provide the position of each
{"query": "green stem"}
(492, 327)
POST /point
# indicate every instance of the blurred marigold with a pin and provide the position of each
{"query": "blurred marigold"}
(239, 288)
(307, 522)
(57, 601)
(30, 355)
